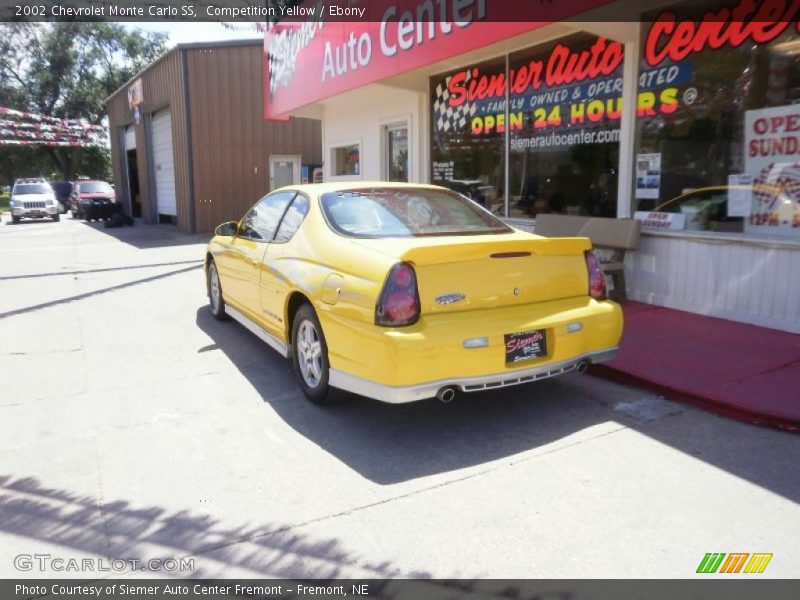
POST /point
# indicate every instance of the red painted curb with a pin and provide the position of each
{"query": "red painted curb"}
(708, 404)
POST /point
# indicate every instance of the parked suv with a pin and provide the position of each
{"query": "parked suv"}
(33, 199)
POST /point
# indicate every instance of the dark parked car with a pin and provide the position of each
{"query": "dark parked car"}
(63, 190)
(93, 200)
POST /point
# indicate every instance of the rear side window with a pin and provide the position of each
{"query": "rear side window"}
(262, 220)
(407, 212)
(292, 219)
(95, 188)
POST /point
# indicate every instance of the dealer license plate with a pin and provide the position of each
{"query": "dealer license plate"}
(525, 346)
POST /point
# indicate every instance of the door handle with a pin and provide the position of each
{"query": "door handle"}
(254, 263)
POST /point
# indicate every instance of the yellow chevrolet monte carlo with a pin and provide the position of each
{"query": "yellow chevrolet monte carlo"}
(401, 292)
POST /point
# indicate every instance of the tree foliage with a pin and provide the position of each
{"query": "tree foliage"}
(67, 70)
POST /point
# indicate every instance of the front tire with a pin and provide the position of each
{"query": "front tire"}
(215, 299)
(310, 357)
(56, 217)
(15, 220)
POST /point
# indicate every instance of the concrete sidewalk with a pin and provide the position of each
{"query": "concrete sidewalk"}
(741, 371)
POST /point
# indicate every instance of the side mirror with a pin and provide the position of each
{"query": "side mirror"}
(227, 229)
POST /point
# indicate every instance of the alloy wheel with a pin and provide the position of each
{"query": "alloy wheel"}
(214, 288)
(309, 354)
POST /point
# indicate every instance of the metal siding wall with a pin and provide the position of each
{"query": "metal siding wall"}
(751, 283)
(231, 143)
(163, 88)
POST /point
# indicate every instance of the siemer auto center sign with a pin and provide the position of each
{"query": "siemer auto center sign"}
(391, 38)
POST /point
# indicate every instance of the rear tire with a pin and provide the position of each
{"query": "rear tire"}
(310, 358)
(215, 299)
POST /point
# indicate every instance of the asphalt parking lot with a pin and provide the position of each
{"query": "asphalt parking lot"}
(132, 424)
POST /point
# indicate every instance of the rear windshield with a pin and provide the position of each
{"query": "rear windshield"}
(407, 212)
(61, 187)
(95, 188)
(31, 188)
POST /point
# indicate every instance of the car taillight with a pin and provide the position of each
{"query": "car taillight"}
(597, 279)
(398, 304)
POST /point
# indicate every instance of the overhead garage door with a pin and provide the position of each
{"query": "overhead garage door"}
(130, 138)
(164, 164)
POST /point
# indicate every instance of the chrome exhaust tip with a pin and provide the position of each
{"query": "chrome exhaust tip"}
(582, 366)
(446, 394)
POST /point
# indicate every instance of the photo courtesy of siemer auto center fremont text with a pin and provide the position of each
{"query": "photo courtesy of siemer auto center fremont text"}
(400, 299)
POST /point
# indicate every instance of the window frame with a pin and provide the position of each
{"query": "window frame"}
(239, 228)
(274, 239)
(334, 163)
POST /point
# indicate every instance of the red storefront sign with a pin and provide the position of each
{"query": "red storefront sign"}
(748, 22)
(308, 61)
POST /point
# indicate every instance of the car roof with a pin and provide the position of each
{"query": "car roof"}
(315, 189)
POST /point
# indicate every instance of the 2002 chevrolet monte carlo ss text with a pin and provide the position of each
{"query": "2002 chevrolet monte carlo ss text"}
(401, 292)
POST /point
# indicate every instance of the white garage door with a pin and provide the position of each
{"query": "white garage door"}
(164, 164)
(130, 138)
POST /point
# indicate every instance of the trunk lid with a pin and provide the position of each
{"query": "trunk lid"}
(457, 273)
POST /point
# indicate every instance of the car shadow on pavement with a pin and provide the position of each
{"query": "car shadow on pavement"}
(394, 443)
(116, 529)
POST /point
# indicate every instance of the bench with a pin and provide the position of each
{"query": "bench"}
(615, 235)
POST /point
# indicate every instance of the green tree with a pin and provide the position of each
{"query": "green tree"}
(67, 70)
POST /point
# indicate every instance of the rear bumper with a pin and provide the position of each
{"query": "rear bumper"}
(412, 393)
(407, 364)
(99, 210)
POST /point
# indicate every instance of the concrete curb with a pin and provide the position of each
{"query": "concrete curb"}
(706, 403)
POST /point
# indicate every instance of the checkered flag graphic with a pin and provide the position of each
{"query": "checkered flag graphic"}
(448, 118)
(778, 180)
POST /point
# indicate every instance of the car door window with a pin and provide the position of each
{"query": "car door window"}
(292, 219)
(262, 220)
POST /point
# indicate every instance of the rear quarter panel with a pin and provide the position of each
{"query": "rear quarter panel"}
(340, 278)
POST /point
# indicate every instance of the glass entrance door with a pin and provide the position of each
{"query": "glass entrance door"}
(397, 152)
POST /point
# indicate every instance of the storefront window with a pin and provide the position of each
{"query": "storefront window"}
(346, 159)
(564, 135)
(718, 141)
(468, 142)
(562, 138)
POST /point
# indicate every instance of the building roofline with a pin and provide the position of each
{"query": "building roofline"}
(221, 44)
(179, 48)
